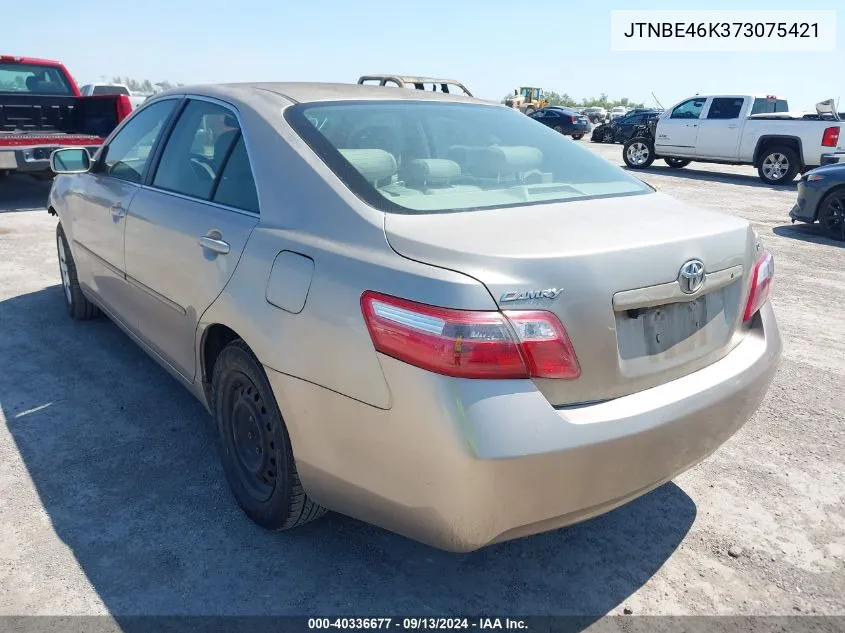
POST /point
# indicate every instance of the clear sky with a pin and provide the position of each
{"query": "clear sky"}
(492, 46)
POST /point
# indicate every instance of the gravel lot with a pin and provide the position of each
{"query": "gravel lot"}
(112, 500)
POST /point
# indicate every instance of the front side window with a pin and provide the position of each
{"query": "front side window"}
(419, 157)
(197, 147)
(127, 154)
(33, 79)
(725, 108)
(690, 109)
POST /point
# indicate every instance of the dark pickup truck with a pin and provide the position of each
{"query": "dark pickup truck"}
(42, 110)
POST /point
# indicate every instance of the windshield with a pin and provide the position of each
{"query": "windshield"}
(33, 79)
(110, 90)
(419, 157)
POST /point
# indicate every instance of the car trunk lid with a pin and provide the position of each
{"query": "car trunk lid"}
(609, 269)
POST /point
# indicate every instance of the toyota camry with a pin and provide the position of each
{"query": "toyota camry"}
(421, 310)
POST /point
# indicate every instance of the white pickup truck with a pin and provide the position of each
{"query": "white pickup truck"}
(90, 90)
(753, 130)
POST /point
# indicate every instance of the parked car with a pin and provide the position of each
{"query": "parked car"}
(821, 198)
(407, 306)
(621, 129)
(563, 120)
(596, 114)
(89, 90)
(618, 111)
(738, 130)
(41, 109)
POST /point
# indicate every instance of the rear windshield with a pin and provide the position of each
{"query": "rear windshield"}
(33, 79)
(769, 106)
(422, 157)
(110, 90)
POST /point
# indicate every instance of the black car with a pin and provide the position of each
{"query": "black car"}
(821, 197)
(620, 130)
(563, 120)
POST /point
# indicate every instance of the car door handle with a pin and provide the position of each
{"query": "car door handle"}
(214, 244)
(117, 210)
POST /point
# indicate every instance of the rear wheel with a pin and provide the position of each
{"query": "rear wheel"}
(558, 129)
(638, 153)
(778, 166)
(577, 137)
(677, 163)
(254, 445)
(77, 304)
(832, 215)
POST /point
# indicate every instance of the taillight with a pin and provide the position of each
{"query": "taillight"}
(124, 107)
(761, 284)
(468, 343)
(830, 138)
(571, 119)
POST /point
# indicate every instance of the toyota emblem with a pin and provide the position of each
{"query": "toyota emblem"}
(691, 277)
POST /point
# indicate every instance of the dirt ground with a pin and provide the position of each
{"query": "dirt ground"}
(112, 499)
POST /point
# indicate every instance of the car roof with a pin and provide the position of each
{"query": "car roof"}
(312, 92)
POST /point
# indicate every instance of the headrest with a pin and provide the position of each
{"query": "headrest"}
(372, 164)
(431, 171)
(515, 157)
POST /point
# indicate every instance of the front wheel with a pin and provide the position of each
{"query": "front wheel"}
(577, 137)
(254, 445)
(558, 129)
(77, 304)
(608, 136)
(638, 153)
(832, 215)
(778, 166)
(677, 163)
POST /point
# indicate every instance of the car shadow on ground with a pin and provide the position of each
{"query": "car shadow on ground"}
(806, 233)
(123, 461)
(23, 193)
(746, 180)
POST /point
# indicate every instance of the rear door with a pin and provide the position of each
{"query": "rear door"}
(187, 228)
(720, 129)
(677, 130)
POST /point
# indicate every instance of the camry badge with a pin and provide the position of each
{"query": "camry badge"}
(548, 293)
(691, 276)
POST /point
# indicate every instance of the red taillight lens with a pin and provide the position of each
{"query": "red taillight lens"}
(572, 119)
(761, 284)
(830, 138)
(470, 344)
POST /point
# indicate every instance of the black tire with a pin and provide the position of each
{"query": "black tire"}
(248, 420)
(608, 136)
(832, 215)
(558, 129)
(677, 163)
(577, 137)
(78, 306)
(638, 152)
(778, 165)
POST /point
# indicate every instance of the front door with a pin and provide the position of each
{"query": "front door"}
(677, 130)
(99, 216)
(186, 230)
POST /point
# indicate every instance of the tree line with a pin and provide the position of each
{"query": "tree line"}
(602, 101)
(145, 86)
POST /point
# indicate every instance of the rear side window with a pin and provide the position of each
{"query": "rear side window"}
(237, 186)
(725, 108)
(196, 150)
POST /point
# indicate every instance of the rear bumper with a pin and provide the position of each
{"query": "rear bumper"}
(31, 159)
(833, 159)
(460, 464)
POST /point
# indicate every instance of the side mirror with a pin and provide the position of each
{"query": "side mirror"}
(70, 160)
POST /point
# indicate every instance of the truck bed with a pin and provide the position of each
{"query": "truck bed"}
(47, 115)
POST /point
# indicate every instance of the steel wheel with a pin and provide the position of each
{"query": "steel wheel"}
(638, 153)
(250, 436)
(775, 166)
(832, 216)
(63, 268)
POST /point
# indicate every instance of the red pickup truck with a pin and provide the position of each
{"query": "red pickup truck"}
(41, 110)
